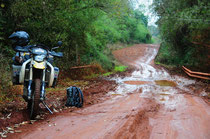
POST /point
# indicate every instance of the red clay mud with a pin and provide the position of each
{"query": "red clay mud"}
(137, 108)
(94, 92)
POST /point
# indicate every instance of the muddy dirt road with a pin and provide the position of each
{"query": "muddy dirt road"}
(150, 103)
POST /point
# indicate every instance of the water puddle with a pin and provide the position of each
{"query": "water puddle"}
(165, 83)
(164, 94)
(117, 94)
(137, 82)
(152, 82)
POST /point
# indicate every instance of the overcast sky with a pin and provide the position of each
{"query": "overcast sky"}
(152, 18)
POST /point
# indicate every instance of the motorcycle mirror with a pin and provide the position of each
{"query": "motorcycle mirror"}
(59, 43)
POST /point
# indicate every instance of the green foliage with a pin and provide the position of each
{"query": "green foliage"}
(5, 78)
(107, 74)
(154, 30)
(142, 34)
(120, 68)
(5, 59)
(85, 27)
(183, 25)
(116, 69)
(155, 34)
(166, 54)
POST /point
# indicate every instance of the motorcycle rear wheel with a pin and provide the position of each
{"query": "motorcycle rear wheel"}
(34, 102)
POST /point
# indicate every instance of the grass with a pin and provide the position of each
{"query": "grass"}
(107, 74)
(120, 68)
(165, 65)
(116, 69)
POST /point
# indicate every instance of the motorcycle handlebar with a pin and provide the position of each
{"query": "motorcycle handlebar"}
(28, 49)
(56, 54)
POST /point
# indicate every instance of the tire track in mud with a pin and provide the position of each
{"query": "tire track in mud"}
(137, 125)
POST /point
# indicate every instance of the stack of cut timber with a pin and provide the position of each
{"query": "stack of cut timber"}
(200, 75)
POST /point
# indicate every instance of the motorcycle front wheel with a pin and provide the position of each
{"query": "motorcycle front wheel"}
(34, 102)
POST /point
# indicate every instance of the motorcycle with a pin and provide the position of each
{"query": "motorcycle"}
(36, 72)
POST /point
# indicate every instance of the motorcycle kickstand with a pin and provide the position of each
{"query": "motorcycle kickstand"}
(47, 107)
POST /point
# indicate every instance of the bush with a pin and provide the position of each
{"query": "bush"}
(5, 78)
(184, 30)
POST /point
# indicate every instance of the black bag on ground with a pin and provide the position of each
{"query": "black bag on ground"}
(74, 97)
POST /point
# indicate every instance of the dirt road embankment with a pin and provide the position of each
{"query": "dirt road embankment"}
(149, 103)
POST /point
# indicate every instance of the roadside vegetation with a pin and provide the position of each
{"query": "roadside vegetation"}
(184, 30)
(87, 29)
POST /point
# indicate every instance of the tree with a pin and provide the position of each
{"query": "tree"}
(181, 23)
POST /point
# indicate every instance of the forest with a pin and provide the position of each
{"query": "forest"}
(84, 27)
(184, 30)
(88, 27)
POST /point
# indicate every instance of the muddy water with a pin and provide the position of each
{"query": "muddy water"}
(150, 103)
(149, 80)
(182, 116)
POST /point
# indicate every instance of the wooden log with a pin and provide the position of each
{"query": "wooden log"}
(78, 67)
(192, 74)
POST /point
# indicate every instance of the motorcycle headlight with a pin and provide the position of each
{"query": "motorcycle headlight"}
(39, 58)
